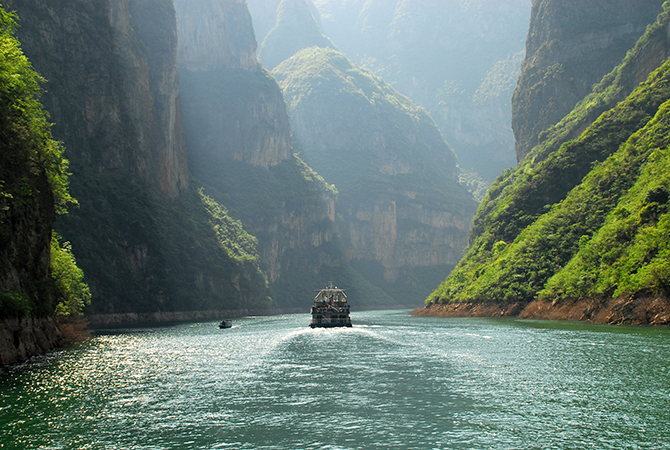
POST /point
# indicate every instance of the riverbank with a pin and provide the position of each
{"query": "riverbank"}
(102, 320)
(645, 311)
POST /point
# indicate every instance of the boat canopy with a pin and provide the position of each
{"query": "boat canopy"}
(331, 294)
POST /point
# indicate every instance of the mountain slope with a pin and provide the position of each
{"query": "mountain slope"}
(520, 196)
(402, 214)
(33, 188)
(237, 130)
(516, 191)
(516, 270)
(629, 256)
(458, 59)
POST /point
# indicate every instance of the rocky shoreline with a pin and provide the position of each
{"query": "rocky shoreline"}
(23, 338)
(644, 311)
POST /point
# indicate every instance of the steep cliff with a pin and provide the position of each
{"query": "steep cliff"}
(537, 220)
(239, 139)
(571, 45)
(458, 59)
(402, 215)
(256, 126)
(215, 34)
(114, 65)
(296, 28)
(264, 14)
(33, 189)
(145, 239)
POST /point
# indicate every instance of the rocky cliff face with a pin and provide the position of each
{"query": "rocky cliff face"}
(571, 45)
(113, 93)
(25, 239)
(218, 36)
(92, 51)
(25, 337)
(264, 16)
(567, 225)
(215, 34)
(32, 188)
(401, 208)
(239, 139)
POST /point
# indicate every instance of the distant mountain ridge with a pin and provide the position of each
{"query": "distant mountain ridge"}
(402, 216)
(296, 28)
(459, 60)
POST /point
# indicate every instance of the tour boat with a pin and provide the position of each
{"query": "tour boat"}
(330, 308)
(225, 324)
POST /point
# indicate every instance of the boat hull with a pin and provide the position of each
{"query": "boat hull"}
(329, 325)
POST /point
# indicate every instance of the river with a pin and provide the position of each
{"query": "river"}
(391, 381)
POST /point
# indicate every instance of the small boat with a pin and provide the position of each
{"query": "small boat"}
(330, 309)
(225, 324)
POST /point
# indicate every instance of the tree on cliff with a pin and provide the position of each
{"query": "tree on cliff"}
(33, 189)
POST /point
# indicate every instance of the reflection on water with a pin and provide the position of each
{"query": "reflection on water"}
(390, 382)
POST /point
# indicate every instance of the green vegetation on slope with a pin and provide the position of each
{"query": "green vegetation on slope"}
(228, 115)
(377, 141)
(182, 254)
(630, 254)
(69, 279)
(518, 189)
(28, 154)
(511, 262)
(27, 145)
(458, 59)
(521, 195)
(562, 65)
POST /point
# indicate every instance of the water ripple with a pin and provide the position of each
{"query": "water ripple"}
(390, 382)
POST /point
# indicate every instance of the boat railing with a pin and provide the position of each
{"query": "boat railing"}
(330, 309)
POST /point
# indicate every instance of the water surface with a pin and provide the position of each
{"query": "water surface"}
(390, 382)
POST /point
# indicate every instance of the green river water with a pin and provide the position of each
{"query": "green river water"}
(390, 382)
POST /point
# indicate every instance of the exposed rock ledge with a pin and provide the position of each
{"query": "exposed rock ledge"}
(21, 339)
(644, 311)
(487, 309)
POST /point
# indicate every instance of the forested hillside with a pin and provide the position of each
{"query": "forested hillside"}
(537, 221)
(402, 216)
(459, 60)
